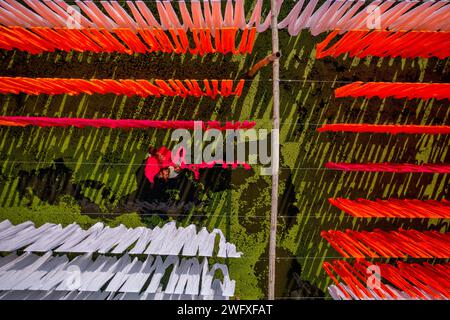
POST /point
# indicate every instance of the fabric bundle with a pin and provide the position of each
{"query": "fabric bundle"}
(123, 40)
(402, 282)
(387, 44)
(394, 208)
(389, 167)
(128, 87)
(409, 90)
(122, 123)
(389, 244)
(378, 128)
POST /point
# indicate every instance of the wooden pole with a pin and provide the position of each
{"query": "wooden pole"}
(275, 150)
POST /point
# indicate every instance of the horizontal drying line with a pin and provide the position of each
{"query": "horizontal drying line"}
(341, 257)
(138, 164)
(218, 166)
(255, 80)
(189, 1)
(246, 80)
(301, 298)
(115, 215)
(223, 122)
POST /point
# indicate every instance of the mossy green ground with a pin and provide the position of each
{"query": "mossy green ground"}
(241, 208)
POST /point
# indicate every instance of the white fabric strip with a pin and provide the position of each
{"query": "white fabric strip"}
(166, 240)
(188, 277)
(74, 295)
(5, 224)
(25, 237)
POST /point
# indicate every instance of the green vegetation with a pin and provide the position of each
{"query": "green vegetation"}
(65, 213)
(47, 174)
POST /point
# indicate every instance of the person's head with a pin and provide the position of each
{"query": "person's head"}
(152, 150)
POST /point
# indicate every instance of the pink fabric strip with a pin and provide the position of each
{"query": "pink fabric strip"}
(389, 167)
(392, 129)
(122, 123)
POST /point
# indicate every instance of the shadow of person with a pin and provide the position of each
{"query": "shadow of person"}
(56, 180)
(299, 288)
(177, 195)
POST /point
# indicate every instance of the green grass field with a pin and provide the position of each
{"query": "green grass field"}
(86, 175)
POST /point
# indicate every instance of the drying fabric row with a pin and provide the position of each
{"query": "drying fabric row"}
(128, 87)
(313, 15)
(409, 90)
(167, 240)
(382, 128)
(57, 13)
(389, 167)
(390, 244)
(393, 208)
(125, 274)
(22, 121)
(345, 15)
(343, 292)
(387, 44)
(86, 295)
(407, 281)
(42, 39)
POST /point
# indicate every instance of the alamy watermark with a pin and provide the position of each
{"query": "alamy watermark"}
(73, 280)
(251, 146)
(374, 277)
(73, 19)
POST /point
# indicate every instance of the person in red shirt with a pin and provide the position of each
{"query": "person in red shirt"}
(159, 164)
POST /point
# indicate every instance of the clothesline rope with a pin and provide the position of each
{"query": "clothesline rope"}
(289, 168)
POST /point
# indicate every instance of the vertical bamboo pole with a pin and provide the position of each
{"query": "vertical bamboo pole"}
(275, 150)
